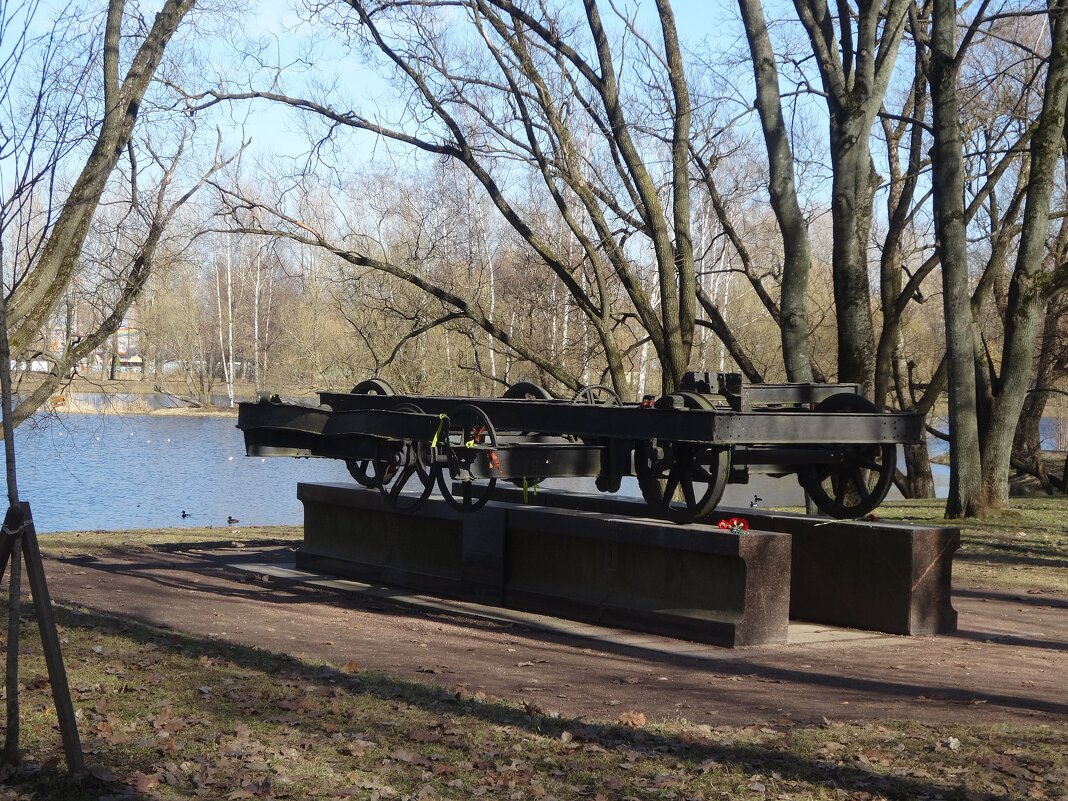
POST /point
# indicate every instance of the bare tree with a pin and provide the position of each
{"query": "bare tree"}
(983, 418)
(854, 51)
(44, 258)
(782, 190)
(1028, 288)
(498, 86)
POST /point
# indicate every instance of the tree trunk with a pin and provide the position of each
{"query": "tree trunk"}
(851, 199)
(37, 296)
(965, 477)
(1026, 292)
(899, 203)
(258, 283)
(919, 480)
(797, 259)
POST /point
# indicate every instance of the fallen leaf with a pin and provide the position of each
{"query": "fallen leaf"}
(356, 747)
(423, 736)
(633, 720)
(102, 773)
(143, 782)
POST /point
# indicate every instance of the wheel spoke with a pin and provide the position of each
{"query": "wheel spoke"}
(869, 463)
(402, 479)
(839, 491)
(701, 471)
(823, 472)
(861, 485)
(672, 483)
(687, 493)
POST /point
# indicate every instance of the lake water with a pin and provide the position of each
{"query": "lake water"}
(86, 472)
(113, 472)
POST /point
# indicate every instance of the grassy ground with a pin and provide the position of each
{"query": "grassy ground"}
(71, 543)
(167, 716)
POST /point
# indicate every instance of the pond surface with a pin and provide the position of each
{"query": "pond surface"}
(86, 472)
(113, 472)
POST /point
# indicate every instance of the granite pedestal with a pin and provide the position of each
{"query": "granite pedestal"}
(697, 582)
(876, 576)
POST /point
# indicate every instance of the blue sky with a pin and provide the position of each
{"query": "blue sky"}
(701, 24)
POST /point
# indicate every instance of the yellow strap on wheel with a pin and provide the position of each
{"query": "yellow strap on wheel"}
(437, 434)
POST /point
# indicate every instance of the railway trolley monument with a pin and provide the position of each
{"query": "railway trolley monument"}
(491, 537)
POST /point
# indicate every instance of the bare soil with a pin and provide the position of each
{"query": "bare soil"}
(1007, 663)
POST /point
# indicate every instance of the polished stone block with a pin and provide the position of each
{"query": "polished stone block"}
(697, 582)
(876, 576)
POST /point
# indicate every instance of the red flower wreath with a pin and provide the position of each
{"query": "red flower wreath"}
(736, 525)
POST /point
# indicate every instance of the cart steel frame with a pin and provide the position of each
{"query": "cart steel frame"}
(683, 448)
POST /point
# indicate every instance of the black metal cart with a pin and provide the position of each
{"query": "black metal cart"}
(683, 448)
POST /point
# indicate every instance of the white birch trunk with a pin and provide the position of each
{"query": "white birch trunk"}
(724, 306)
(267, 324)
(225, 324)
(230, 324)
(475, 212)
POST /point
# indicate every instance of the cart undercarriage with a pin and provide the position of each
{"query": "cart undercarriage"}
(683, 448)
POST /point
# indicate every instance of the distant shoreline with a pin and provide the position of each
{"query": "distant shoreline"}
(119, 409)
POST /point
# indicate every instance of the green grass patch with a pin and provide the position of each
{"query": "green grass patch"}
(72, 543)
(167, 716)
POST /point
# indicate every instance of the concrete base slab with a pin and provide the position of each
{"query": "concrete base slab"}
(799, 633)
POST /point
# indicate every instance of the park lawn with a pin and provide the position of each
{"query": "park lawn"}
(163, 715)
(74, 543)
(168, 716)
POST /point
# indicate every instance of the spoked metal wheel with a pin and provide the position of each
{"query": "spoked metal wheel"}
(598, 394)
(682, 481)
(369, 472)
(857, 483)
(527, 390)
(373, 386)
(471, 454)
(407, 482)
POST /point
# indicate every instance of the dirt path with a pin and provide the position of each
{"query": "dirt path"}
(1008, 662)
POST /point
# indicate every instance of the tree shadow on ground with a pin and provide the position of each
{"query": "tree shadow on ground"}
(753, 758)
(287, 593)
(1040, 600)
(52, 781)
(1007, 554)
